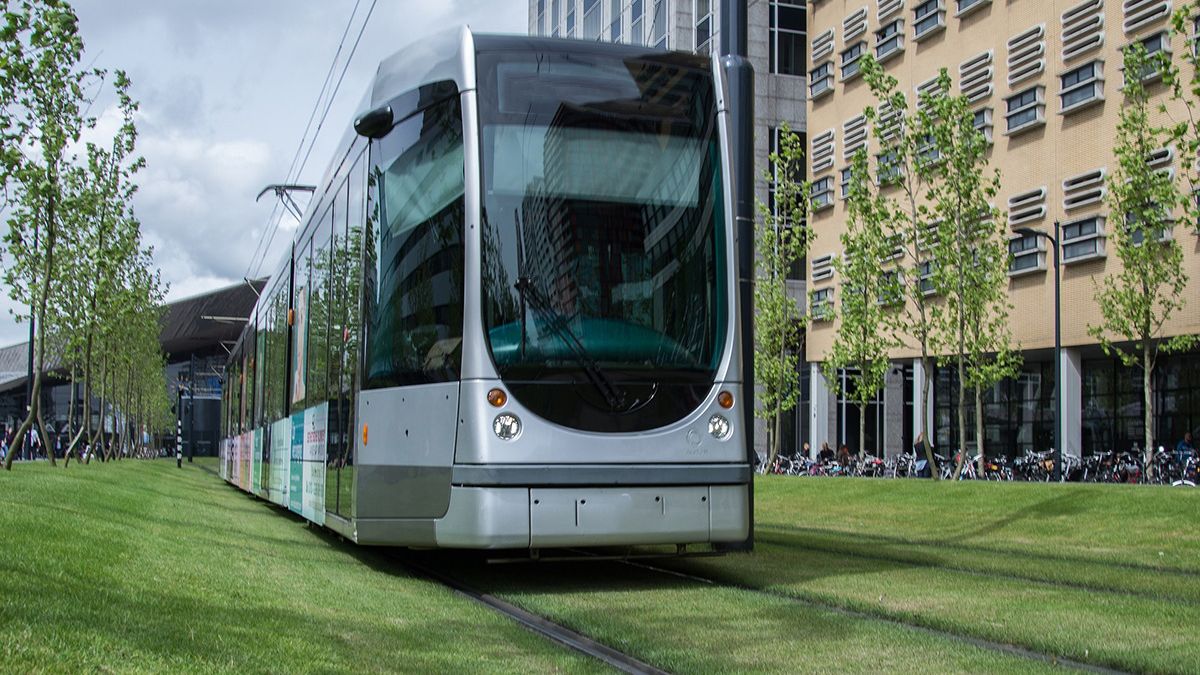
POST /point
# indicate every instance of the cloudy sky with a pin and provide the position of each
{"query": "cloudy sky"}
(226, 88)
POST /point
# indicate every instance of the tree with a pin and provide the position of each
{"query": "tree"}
(971, 326)
(906, 178)
(1137, 300)
(782, 239)
(41, 116)
(862, 343)
(1185, 93)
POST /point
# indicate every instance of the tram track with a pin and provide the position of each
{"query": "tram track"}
(981, 643)
(914, 563)
(535, 623)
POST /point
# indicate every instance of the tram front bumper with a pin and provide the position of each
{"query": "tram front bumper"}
(544, 517)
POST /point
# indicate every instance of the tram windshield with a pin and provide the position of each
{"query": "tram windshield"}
(603, 254)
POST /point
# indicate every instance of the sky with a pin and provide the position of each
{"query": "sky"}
(226, 88)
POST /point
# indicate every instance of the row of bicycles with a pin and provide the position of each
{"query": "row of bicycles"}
(1169, 468)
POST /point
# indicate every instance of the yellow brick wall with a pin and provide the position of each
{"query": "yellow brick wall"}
(1065, 146)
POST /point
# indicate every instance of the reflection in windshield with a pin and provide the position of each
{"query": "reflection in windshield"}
(602, 195)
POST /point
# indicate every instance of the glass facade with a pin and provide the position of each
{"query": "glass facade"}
(1018, 412)
(1112, 403)
(786, 37)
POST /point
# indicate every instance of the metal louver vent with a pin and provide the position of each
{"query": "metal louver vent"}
(854, 136)
(1141, 13)
(1084, 189)
(822, 267)
(1027, 206)
(888, 122)
(887, 8)
(855, 24)
(822, 151)
(1082, 29)
(1025, 54)
(822, 45)
(925, 90)
(1161, 158)
(975, 77)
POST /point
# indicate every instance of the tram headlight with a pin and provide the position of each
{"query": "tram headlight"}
(719, 427)
(507, 426)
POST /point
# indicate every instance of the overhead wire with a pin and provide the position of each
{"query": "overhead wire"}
(276, 216)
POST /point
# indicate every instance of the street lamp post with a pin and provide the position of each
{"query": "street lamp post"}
(1058, 411)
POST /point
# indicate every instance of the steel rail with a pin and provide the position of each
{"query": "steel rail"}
(533, 622)
(990, 645)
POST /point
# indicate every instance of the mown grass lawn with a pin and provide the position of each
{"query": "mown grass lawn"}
(138, 566)
(1108, 574)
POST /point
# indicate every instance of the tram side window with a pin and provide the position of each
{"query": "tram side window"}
(279, 366)
(260, 369)
(318, 326)
(415, 312)
(300, 327)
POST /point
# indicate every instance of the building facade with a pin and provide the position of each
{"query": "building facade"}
(1045, 79)
(777, 41)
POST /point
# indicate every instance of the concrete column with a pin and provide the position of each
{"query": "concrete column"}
(1071, 379)
(893, 411)
(819, 409)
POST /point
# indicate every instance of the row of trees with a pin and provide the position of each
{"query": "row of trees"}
(924, 256)
(74, 257)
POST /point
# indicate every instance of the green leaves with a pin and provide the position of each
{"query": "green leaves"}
(781, 238)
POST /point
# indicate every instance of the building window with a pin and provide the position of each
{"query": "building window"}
(925, 277)
(1112, 408)
(983, 123)
(1083, 240)
(786, 37)
(928, 17)
(614, 24)
(1025, 255)
(658, 26)
(637, 33)
(1081, 86)
(1137, 232)
(891, 288)
(887, 167)
(889, 40)
(820, 304)
(570, 18)
(822, 193)
(1155, 44)
(966, 6)
(540, 25)
(848, 417)
(850, 60)
(706, 27)
(1018, 413)
(555, 14)
(1026, 110)
(847, 174)
(821, 81)
(592, 19)
(928, 151)
(776, 146)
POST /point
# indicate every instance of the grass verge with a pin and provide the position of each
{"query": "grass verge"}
(137, 566)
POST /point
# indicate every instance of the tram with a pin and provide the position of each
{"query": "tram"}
(509, 320)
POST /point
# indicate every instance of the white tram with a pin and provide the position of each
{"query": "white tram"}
(510, 318)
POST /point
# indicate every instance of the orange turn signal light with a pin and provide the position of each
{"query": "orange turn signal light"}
(364, 434)
(725, 400)
(497, 397)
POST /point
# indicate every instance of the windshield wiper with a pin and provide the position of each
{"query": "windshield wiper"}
(546, 314)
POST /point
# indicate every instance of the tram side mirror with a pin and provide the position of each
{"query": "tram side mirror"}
(375, 123)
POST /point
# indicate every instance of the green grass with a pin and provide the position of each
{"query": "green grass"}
(141, 567)
(138, 566)
(1098, 573)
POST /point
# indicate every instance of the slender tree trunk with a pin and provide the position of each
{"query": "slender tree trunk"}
(979, 430)
(71, 416)
(927, 366)
(1148, 400)
(962, 414)
(862, 427)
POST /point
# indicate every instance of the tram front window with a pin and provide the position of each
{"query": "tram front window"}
(603, 239)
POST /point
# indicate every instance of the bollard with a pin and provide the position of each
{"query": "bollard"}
(178, 457)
